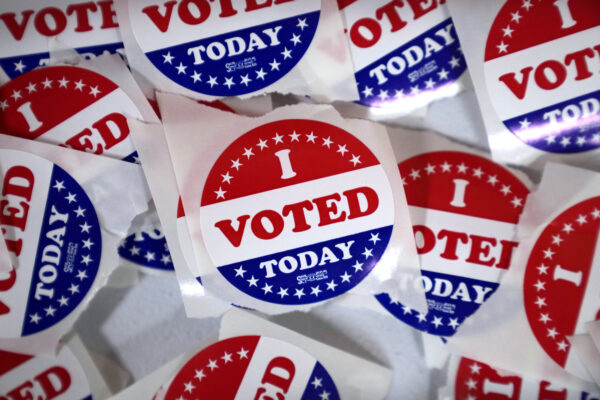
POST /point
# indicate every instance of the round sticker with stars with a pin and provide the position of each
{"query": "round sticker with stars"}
(476, 380)
(224, 48)
(464, 209)
(562, 279)
(296, 212)
(398, 59)
(541, 68)
(51, 228)
(252, 367)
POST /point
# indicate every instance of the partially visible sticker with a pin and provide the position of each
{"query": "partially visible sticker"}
(148, 248)
(51, 226)
(464, 209)
(252, 367)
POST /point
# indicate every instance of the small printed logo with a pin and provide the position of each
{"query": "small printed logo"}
(396, 61)
(225, 49)
(559, 270)
(252, 367)
(464, 209)
(296, 212)
(58, 250)
(541, 67)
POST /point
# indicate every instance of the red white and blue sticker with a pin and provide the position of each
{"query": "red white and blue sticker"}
(26, 26)
(252, 367)
(561, 287)
(51, 227)
(59, 376)
(476, 380)
(84, 110)
(541, 67)
(464, 209)
(296, 212)
(225, 48)
(401, 50)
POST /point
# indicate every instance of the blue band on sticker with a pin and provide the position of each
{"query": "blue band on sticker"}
(311, 273)
(426, 64)
(450, 299)
(239, 62)
(15, 66)
(68, 254)
(148, 249)
(320, 385)
(572, 126)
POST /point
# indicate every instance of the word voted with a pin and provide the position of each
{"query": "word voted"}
(47, 385)
(194, 12)
(276, 380)
(367, 31)
(52, 21)
(269, 224)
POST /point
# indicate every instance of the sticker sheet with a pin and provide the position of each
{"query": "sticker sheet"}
(551, 289)
(406, 54)
(535, 68)
(471, 379)
(291, 209)
(28, 26)
(464, 210)
(64, 213)
(208, 50)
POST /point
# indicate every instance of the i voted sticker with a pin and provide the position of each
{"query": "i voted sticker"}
(401, 50)
(541, 67)
(27, 26)
(59, 376)
(296, 212)
(476, 380)
(225, 48)
(561, 287)
(148, 248)
(252, 367)
(464, 209)
(51, 227)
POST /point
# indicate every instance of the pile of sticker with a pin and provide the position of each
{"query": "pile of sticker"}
(255, 149)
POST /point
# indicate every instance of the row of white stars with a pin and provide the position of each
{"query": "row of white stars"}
(508, 31)
(566, 140)
(279, 139)
(462, 169)
(437, 321)
(472, 383)
(149, 255)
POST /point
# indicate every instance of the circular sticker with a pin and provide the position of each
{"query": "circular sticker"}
(224, 48)
(559, 271)
(464, 209)
(252, 367)
(541, 67)
(50, 376)
(296, 212)
(51, 227)
(402, 51)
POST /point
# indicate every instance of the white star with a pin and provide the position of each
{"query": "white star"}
(295, 39)
(220, 193)
(79, 85)
(596, 213)
(283, 292)
(540, 285)
(63, 301)
(196, 77)
(581, 219)
(475, 368)
(267, 288)
(63, 82)
(19, 66)
(189, 387)
(262, 144)
(516, 202)
(134, 250)
(86, 259)
(260, 74)
(87, 244)
(492, 180)
(545, 318)
(472, 384)
(508, 31)
(478, 172)
(331, 285)
(505, 190)
(527, 4)
(355, 160)
(47, 83)
(245, 80)
(248, 152)
(226, 357)
(311, 137)
(229, 82)
(543, 269)
(357, 266)
(168, 58)
(31, 87)
(4, 104)
(59, 185)
(367, 92)
(443, 74)
(80, 211)
(406, 310)
(399, 93)
(550, 139)
(580, 141)
(414, 90)
(595, 137)
(556, 239)
(212, 81)
(50, 311)
(383, 95)
(315, 290)
(226, 177)
(181, 68)
(295, 137)
(415, 174)
(252, 281)
(430, 83)
(446, 167)
(437, 321)
(81, 275)
(324, 395)
(35, 318)
(462, 168)
(565, 141)
(299, 293)
(454, 62)
(316, 382)
(453, 323)
(327, 142)
(240, 271)
(165, 259)
(374, 238)
(150, 256)
(502, 47)
(552, 333)
(430, 169)
(524, 123)
(70, 197)
(16, 95)
(548, 253)
(302, 24)
(274, 65)
(562, 345)
(516, 17)
(567, 228)
(540, 302)
(278, 138)
(94, 91)
(73, 289)
(421, 317)
(346, 277)
(367, 253)
(243, 353)
(236, 164)
(200, 375)
(85, 227)
(212, 364)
